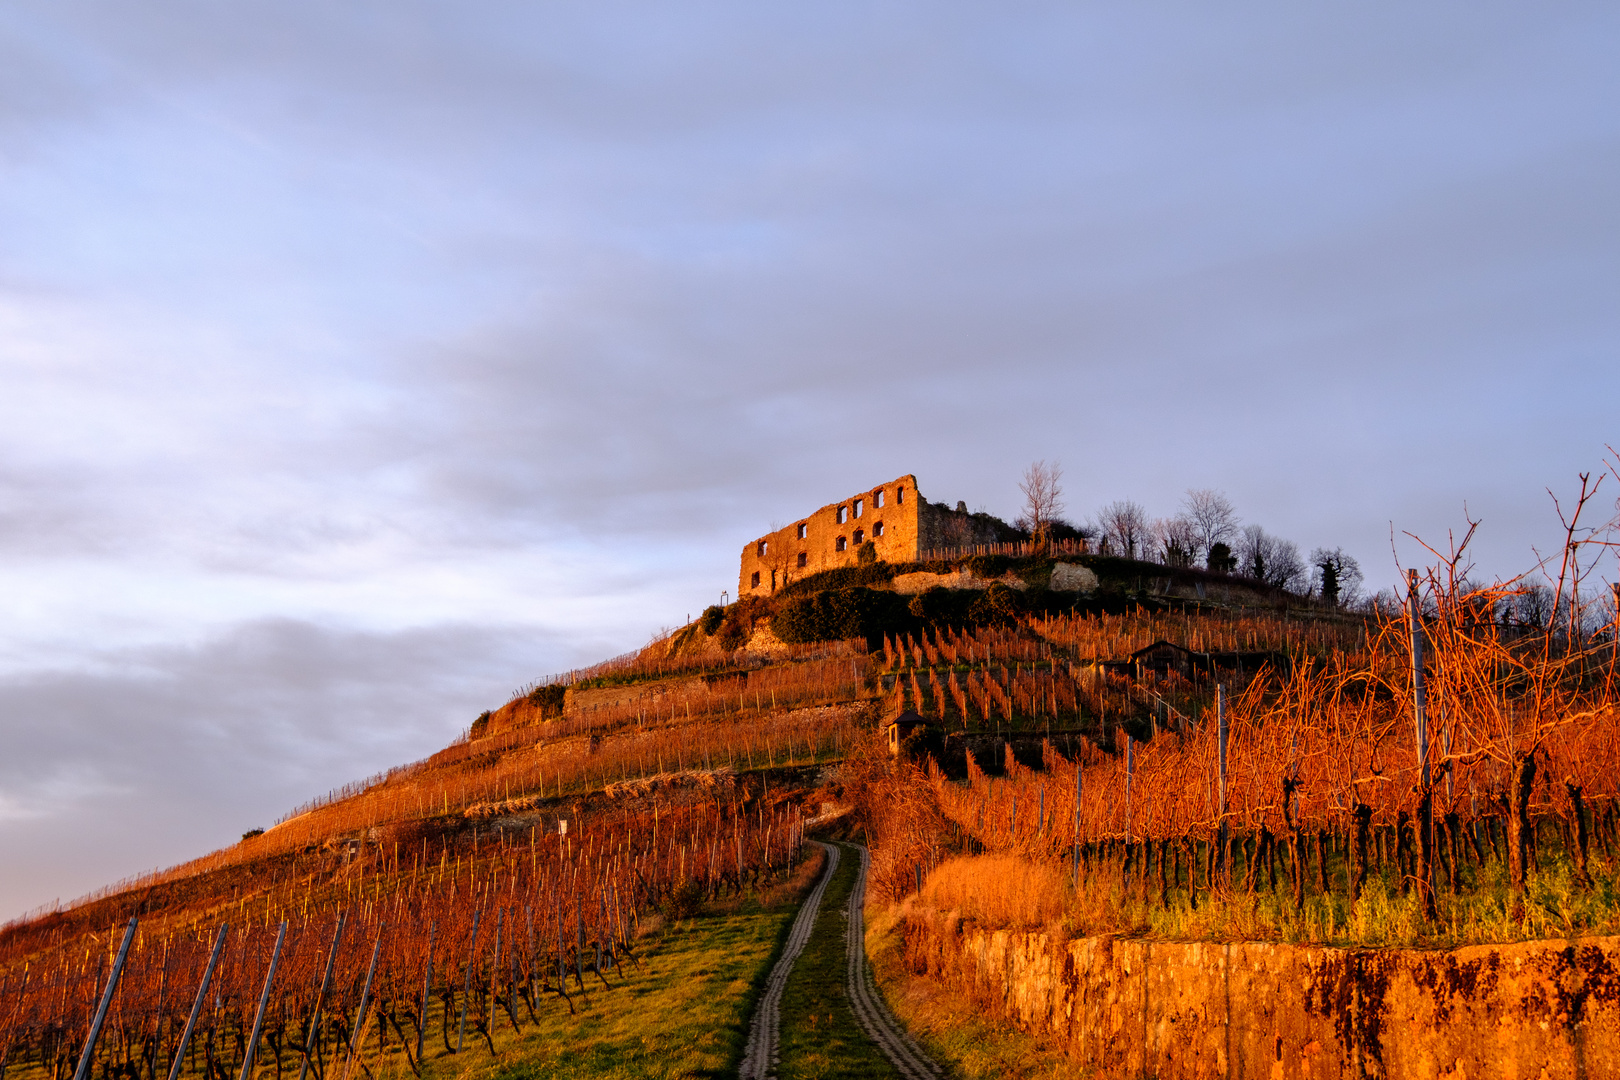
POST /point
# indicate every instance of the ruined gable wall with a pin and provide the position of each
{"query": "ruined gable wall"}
(779, 552)
(942, 528)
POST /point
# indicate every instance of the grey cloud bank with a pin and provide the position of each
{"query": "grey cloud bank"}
(402, 353)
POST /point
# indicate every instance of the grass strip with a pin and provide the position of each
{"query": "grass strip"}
(820, 1035)
(684, 1015)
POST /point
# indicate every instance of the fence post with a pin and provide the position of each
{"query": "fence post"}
(365, 1000)
(320, 999)
(466, 988)
(196, 1006)
(427, 987)
(1130, 773)
(1221, 733)
(1420, 722)
(1079, 774)
(264, 1001)
(1616, 632)
(85, 1059)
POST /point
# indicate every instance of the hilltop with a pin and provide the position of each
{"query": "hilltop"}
(751, 698)
(1059, 711)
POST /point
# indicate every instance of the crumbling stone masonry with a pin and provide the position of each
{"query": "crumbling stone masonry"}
(894, 518)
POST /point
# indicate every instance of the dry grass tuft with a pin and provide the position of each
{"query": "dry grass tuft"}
(998, 890)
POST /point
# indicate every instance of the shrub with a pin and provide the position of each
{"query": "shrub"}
(931, 605)
(989, 566)
(479, 726)
(684, 901)
(866, 554)
(840, 615)
(549, 700)
(997, 604)
(843, 577)
(251, 833)
(733, 632)
(711, 618)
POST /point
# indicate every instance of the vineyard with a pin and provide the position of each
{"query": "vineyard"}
(426, 951)
(414, 914)
(1064, 671)
(1439, 772)
(1497, 803)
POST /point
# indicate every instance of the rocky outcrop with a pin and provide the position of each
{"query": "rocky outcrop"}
(922, 581)
(1072, 577)
(1263, 1009)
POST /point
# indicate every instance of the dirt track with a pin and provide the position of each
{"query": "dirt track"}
(874, 1016)
(759, 1062)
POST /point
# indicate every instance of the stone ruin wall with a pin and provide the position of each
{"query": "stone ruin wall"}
(775, 558)
(910, 523)
(942, 528)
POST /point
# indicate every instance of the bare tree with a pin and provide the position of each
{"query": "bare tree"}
(1336, 576)
(1270, 559)
(1532, 605)
(1252, 549)
(1175, 541)
(1212, 518)
(1124, 527)
(1043, 497)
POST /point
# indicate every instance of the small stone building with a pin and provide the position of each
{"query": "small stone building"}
(909, 727)
(894, 518)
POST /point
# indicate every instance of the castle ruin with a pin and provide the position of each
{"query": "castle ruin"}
(900, 525)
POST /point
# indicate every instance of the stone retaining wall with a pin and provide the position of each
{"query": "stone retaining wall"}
(1208, 1010)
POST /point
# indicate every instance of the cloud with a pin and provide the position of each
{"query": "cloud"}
(161, 754)
(333, 336)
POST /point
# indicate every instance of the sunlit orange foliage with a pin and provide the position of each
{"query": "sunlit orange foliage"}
(998, 890)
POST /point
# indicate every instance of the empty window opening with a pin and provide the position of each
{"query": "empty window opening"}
(763, 546)
(840, 544)
(899, 495)
(859, 536)
(755, 583)
(860, 505)
(804, 531)
(877, 528)
(877, 498)
(843, 514)
(773, 581)
(804, 560)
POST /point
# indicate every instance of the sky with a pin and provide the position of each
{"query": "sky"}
(361, 363)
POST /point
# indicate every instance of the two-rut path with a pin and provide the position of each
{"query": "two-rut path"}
(879, 1024)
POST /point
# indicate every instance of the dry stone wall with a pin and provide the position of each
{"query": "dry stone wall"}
(1200, 1011)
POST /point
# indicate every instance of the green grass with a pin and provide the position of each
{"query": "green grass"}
(685, 1014)
(820, 1035)
(1481, 913)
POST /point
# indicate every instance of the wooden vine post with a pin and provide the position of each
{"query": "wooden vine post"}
(264, 1003)
(320, 1000)
(427, 986)
(1420, 723)
(1221, 733)
(197, 1005)
(360, 1014)
(1079, 775)
(1130, 771)
(87, 1059)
